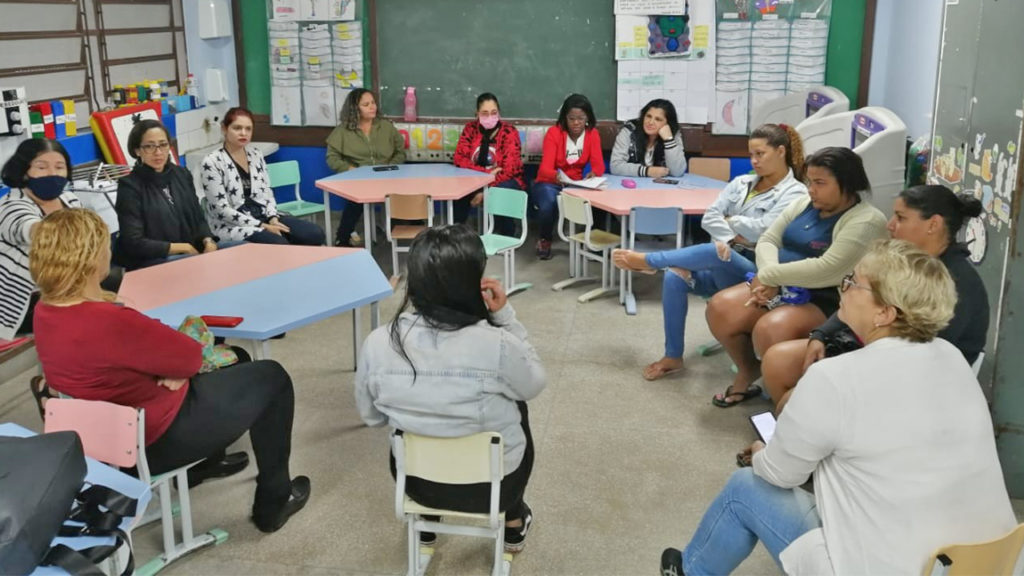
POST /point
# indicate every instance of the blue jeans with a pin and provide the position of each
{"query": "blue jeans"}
(709, 275)
(748, 509)
(303, 233)
(545, 200)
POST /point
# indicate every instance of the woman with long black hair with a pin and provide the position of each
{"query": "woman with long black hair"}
(456, 365)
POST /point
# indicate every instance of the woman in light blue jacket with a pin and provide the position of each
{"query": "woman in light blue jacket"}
(744, 209)
(457, 365)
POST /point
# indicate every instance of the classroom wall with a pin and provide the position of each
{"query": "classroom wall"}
(209, 53)
(905, 60)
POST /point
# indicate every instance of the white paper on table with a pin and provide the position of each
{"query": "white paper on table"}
(593, 183)
(656, 7)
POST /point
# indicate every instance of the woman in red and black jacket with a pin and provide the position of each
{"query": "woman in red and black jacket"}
(568, 146)
(489, 145)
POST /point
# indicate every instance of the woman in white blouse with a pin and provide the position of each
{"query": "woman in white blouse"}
(896, 437)
(240, 201)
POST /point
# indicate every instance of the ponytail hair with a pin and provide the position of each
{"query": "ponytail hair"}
(955, 209)
(787, 137)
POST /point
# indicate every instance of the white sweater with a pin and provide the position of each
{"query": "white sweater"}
(899, 439)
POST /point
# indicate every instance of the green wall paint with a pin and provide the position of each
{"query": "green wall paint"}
(846, 34)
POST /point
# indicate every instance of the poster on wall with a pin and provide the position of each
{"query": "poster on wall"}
(647, 7)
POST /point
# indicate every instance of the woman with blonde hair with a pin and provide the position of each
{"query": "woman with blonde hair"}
(895, 435)
(94, 349)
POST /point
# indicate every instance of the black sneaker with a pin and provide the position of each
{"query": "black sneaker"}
(272, 522)
(515, 538)
(671, 562)
(229, 465)
(429, 538)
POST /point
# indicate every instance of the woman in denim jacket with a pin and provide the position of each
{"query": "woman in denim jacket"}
(456, 365)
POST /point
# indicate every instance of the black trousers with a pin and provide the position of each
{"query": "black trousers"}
(349, 218)
(476, 498)
(221, 406)
(303, 233)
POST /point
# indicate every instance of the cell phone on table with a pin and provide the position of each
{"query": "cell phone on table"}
(665, 181)
(385, 168)
(764, 425)
(222, 321)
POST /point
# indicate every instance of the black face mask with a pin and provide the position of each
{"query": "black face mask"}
(47, 187)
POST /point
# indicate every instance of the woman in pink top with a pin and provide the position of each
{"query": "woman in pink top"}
(568, 146)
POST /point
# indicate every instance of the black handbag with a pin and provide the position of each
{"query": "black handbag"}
(42, 496)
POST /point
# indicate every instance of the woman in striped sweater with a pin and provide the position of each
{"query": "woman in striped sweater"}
(38, 177)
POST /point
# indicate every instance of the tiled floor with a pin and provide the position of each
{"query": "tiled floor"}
(624, 467)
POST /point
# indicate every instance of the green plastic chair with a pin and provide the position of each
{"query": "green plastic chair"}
(512, 204)
(287, 174)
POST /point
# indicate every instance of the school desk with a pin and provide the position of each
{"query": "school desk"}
(693, 194)
(365, 186)
(96, 473)
(274, 288)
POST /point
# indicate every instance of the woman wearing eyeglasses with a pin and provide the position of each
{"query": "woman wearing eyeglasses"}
(929, 217)
(158, 211)
(896, 436)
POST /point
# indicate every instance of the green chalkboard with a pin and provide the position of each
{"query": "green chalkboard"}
(530, 53)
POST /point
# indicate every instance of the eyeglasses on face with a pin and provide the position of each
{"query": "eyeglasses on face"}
(151, 148)
(849, 282)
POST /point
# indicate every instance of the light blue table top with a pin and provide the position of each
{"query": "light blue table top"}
(404, 171)
(97, 473)
(287, 300)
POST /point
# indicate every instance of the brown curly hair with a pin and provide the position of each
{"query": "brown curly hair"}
(786, 136)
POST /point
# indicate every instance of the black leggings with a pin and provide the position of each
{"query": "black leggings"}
(476, 498)
(221, 406)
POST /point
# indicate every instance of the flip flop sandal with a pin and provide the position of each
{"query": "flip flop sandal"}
(626, 266)
(40, 393)
(744, 459)
(721, 401)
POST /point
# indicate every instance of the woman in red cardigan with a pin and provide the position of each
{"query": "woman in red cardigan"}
(568, 146)
(490, 145)
(94, 349)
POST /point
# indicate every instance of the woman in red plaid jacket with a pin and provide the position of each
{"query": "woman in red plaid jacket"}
(490, 145)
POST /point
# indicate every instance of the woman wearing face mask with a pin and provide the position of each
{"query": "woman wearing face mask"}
(490, 145)
(237, 188)
(38, 177)
(568, 146)
(650, 146)
(157, 208)
(361, 139)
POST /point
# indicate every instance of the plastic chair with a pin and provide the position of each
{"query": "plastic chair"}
(977, 363)
(1000, 557)
(584, 246)
(717, 168)
(287, 174)
(512, 204)
(405, 207)
(115, 435)
(467, 460)
(656, 222)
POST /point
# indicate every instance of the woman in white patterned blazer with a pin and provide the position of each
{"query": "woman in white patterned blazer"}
(240, 202)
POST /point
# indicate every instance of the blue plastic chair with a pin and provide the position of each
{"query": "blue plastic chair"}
(653, 221)
(287, 174)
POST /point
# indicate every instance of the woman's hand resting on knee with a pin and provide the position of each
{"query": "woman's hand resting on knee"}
(815, 351)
